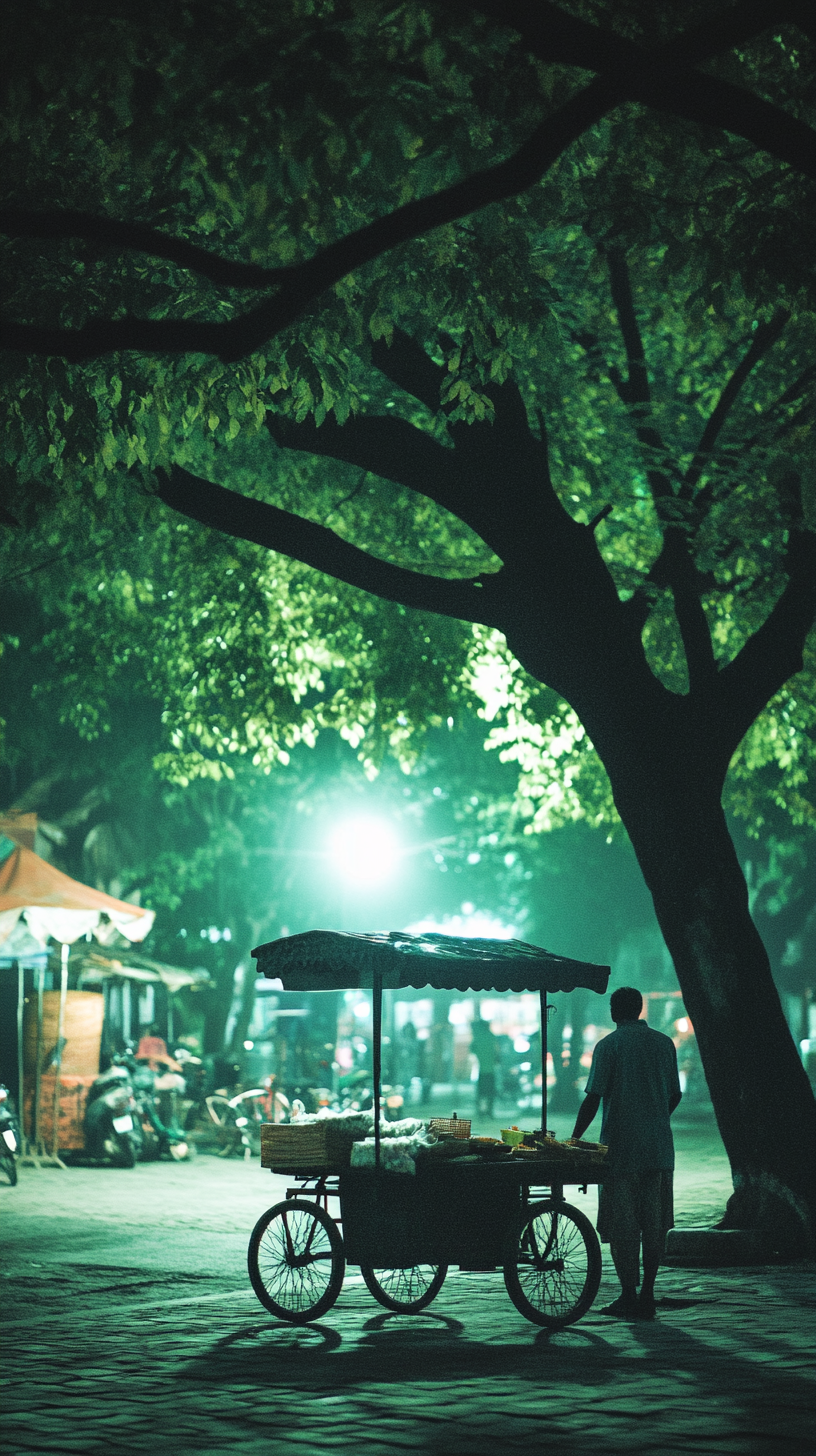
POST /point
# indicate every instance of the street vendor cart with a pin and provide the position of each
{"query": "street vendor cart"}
(492, 1207)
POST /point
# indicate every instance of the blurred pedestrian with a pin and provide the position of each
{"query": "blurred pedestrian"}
(634, 1071)
(483, 1046)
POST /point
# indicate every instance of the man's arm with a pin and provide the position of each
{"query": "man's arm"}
(674, 1088)
(586, 1113)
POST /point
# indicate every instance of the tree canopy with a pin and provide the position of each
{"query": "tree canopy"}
(501, 313)
(267, 137)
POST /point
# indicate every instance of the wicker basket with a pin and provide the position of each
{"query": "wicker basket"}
(318, 1145)
(458, 1127)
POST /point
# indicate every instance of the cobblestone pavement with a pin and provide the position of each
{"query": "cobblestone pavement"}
(134, 1330)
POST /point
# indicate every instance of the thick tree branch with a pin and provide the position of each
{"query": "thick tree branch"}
(635, 391)
(513, 521)
(383, 444)
(108, 234)
(407, 365)
(629, 74)
(660, 79)
(690, 613)
(305, 282)
(252, 520)
(553, 35)
(774, 653)
(675, 564)
(763, 340)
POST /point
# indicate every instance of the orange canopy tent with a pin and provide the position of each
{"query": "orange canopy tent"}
(54, 905)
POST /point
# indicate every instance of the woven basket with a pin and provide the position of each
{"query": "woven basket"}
(82, 1029)
(317, 1145)
(458, 1127)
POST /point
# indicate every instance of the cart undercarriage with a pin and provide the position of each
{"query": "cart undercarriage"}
(405, 1232)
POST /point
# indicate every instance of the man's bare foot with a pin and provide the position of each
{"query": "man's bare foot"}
(623, 1307)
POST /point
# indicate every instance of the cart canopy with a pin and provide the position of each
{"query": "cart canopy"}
(335, 960)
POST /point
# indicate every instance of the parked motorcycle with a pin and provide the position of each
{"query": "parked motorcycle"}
(111, 1126)
(10, 1139)
(156, 1095)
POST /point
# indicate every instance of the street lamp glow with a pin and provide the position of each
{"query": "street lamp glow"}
(365, 851)
(478, 924)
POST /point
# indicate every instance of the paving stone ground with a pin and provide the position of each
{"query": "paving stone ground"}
(129, 1327)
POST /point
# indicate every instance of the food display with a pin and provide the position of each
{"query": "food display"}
(543, 1147)
(330, 1141)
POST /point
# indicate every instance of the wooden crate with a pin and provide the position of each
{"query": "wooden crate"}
(312, 1145)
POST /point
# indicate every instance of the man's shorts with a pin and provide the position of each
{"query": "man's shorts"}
(635, 1205)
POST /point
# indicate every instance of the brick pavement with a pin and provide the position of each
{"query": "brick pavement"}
(108, 1354)
(96, 1367)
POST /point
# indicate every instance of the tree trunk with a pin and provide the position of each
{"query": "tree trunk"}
(240, 1032)
(217, 1007)
(762, 1099)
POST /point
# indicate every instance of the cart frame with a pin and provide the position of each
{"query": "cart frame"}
(405, 1230)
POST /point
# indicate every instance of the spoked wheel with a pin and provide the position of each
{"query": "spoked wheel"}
(552, 1266)
(296, 1261)
(405, 1290)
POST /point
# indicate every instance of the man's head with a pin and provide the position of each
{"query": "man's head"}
(625, 1004)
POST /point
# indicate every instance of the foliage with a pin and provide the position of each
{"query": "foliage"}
(270, 133)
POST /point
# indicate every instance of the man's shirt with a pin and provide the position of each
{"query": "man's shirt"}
(634, 1070)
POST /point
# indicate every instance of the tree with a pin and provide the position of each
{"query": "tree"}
(577, 390)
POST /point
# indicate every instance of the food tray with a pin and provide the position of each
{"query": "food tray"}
(560, 1157)
(312, 1145)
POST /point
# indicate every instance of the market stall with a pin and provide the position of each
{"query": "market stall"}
(54, 906)
(431, 1196)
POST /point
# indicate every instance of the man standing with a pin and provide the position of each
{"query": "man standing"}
(634, 1070)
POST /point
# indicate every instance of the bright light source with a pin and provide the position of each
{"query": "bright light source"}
(521, 1045)
(682, 1024)
(362, 1010)
(248, 1046)
(480, 925)
(365, 851)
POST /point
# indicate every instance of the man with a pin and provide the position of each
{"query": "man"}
(634, 1070)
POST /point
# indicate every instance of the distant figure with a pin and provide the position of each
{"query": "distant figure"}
(152, 1049)
(408, 1052)
(634, 1070)
(483, 1046)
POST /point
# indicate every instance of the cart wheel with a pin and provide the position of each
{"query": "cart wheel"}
(552, 1267)
(296, 1261)
(405, 1290)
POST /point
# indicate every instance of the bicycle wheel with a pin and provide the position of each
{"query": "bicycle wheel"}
(405, 1290)
(222, 1122)
(552, 1267)
(296, 1261)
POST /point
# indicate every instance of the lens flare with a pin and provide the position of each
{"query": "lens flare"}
(365, 851)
